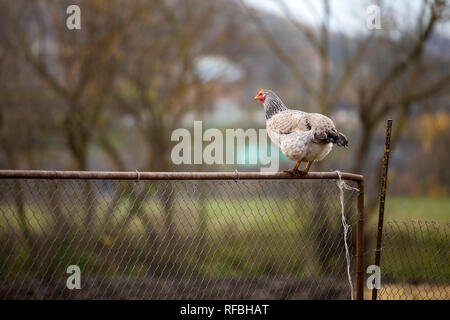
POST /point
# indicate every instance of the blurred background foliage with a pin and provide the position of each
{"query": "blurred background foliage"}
(108, 96)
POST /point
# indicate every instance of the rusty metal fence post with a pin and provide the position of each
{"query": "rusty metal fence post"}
(360, 243)
(384, 173)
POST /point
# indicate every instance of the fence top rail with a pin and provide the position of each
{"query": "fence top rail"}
(136, 175)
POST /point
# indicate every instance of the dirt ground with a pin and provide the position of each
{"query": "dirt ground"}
(406, 291)
(159, 288)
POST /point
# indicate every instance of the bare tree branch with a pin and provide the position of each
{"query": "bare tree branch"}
(401, 65)
(281, 54)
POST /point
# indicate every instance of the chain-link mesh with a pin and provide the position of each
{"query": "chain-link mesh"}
(415, 261)
(219, 239)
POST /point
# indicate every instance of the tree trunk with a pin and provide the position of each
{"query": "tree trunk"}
(362, 152)
(160, 153)
(60, 220)
(78, 144)
(202, 231)
(400, 127)
(18, 198)
(89, 197)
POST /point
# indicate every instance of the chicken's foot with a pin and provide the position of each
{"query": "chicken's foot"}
(305, 172)
(296, 172)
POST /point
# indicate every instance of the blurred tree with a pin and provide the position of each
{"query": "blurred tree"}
(383, 74)
(78, 67)
(160, 83)
(375, 90)
(433, 133)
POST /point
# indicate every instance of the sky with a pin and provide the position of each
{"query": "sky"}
(348, 16)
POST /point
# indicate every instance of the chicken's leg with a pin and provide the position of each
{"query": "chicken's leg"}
(305, 172)
(295, 170)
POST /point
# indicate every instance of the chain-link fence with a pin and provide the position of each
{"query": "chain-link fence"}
(415, 261)
(177, 239)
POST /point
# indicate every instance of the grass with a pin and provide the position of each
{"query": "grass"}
(246, 237)
(418, 208)
(415, 242)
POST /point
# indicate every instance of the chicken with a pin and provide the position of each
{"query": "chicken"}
(301, 136)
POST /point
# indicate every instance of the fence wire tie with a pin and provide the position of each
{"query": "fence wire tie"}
(236, 172)
(138, 176)
(342, 185)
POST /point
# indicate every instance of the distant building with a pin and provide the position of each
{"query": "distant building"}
(225, 80)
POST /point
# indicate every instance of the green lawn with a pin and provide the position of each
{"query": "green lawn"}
(248, 236)
(418, 208)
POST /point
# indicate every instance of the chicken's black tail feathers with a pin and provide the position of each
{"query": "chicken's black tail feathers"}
(332, 136)
(341, 140)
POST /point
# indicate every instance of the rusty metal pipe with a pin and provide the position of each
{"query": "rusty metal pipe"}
(131, 175)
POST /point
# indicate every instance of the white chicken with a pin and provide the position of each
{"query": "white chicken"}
(301, 136)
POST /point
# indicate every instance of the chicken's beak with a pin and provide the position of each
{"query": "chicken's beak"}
(256, 97)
